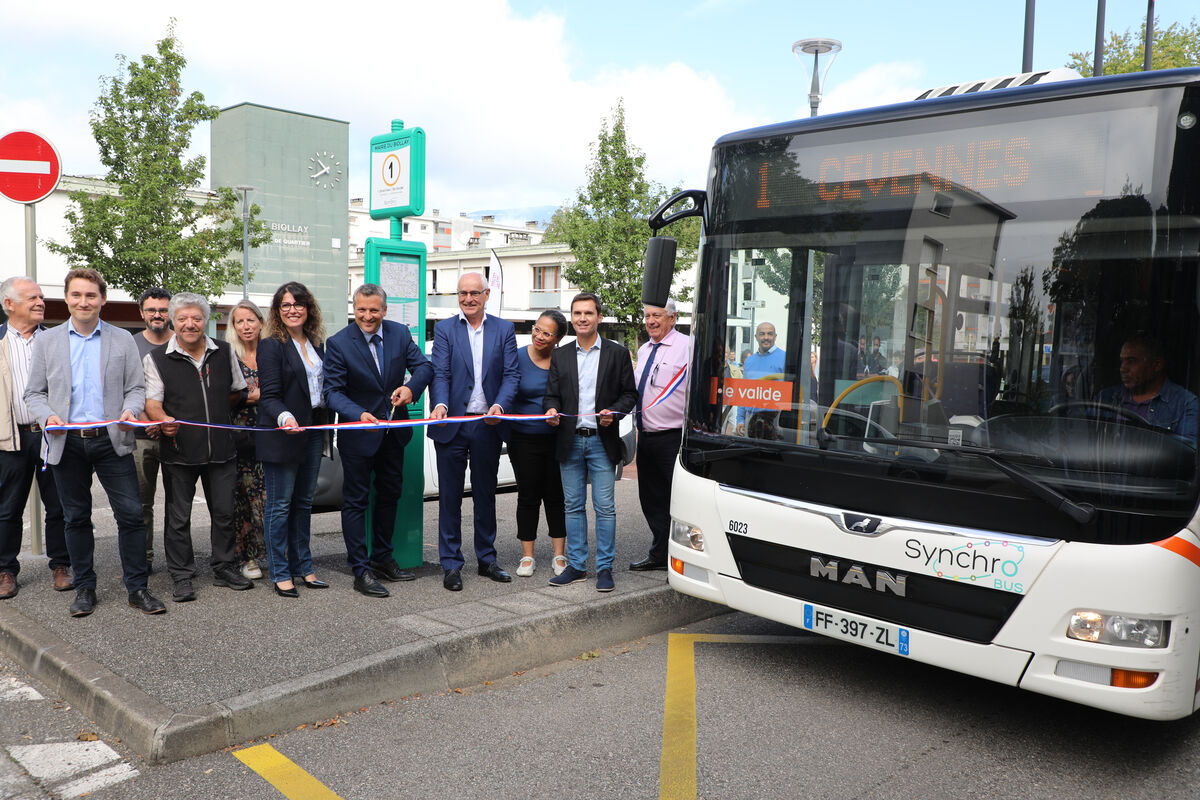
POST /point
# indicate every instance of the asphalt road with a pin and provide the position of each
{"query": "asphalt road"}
(777, 713)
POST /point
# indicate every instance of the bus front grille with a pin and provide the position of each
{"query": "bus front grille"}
(964, 610)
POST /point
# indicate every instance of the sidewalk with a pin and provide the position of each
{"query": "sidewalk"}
(234, 666)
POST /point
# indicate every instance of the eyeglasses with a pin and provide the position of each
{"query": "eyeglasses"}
(291, 306)
(473, 294)
(543, 332)
(154, 312)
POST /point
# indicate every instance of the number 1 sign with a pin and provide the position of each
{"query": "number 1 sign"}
(398, 173)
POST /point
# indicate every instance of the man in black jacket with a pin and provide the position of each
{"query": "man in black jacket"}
(591, 384)
(197, 379)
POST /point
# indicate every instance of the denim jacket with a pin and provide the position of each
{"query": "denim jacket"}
(1174, 408)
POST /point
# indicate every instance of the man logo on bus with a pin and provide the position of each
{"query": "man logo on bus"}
(857, 523)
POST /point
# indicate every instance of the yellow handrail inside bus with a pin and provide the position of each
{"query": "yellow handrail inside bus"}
(863, 382)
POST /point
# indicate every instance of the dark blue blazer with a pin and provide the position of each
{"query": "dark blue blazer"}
(353, 384)
(454, 370)
(282, 386)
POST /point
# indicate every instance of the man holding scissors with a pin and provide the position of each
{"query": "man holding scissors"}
(365, 366)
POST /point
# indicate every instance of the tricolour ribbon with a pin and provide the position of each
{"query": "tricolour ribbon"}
(667, 391)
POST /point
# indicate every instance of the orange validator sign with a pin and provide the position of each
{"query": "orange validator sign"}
(776, 395)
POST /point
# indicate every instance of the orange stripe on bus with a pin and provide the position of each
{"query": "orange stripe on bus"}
(1182, 547)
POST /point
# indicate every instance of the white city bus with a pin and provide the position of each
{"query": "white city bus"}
(985, 492)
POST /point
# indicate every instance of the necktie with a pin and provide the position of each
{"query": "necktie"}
(645, 377)
(377, 343)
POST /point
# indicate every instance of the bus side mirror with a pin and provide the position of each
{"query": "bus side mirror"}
(659, 271)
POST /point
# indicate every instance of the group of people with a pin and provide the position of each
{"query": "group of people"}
(238, 416)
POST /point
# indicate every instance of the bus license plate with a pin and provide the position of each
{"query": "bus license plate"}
(879, 635)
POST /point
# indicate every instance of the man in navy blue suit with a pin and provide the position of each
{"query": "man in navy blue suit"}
(475, 373)
(365, 366)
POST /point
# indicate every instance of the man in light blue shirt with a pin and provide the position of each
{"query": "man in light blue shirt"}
(591, 386)
(769, 360)
(90, 371)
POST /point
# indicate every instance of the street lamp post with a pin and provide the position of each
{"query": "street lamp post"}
(816, 48)
(245, 190)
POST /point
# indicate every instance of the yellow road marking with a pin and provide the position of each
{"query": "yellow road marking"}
(677, 768)
(284, 774)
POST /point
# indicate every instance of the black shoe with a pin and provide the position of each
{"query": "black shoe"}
(146, 603)
(494, 572)
(390, 571)
(85, 602)
(282, 592)
(647, 564)
(366, 584)
(183, 592)
(313, 584)
(232, 577)
(452, 580)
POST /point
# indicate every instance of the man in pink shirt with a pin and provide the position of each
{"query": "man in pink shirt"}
(660, 429)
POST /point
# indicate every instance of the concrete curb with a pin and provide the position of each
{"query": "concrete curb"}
(435, 664)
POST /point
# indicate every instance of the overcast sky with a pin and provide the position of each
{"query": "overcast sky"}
(511, 94)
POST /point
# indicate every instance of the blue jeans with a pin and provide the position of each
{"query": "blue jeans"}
(73, 477)
(589, 461)
(287, 515)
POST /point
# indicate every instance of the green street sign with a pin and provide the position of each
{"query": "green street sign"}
(398, 174)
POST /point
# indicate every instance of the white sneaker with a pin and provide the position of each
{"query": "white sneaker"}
(560, 563)
(526, 567)
(251, 571)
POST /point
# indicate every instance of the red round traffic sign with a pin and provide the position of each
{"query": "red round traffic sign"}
(29, 167)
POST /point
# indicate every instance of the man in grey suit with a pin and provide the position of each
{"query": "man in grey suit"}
(88, 371)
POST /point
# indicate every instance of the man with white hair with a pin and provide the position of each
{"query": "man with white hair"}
(475, 373)
(195, 378)
(660, 429)
(21, 440)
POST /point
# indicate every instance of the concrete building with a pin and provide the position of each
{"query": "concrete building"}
(299, 167)
(439, 232)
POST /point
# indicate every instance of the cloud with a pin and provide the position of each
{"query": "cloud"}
(507, 123)
(877, 85)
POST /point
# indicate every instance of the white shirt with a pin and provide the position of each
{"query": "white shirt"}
(478, 403)
(154, 382)
(20, 351)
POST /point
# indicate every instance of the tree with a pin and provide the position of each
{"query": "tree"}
(606, 229)
(147, 231)
(1174, 46)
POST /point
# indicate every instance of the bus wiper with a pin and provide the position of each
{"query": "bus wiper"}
(698, 457)
(1083, 513)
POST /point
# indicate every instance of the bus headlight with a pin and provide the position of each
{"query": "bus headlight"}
(687, 535)
(1118, 629)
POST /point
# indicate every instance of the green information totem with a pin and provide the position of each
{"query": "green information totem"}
(398, 191)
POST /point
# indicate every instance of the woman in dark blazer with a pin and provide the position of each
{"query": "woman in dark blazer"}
(290, 361)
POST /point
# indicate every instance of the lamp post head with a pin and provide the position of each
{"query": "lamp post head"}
(816, 47)
(245, 190)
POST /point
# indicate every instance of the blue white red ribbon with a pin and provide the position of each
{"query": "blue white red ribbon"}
(662, 396)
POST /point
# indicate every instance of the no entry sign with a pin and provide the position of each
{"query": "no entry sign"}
(29, 167)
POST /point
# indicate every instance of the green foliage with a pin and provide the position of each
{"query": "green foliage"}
(606, 229)
(147, 231)
(1174, 46)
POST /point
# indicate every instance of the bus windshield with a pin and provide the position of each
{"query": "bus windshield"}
(968, 318)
